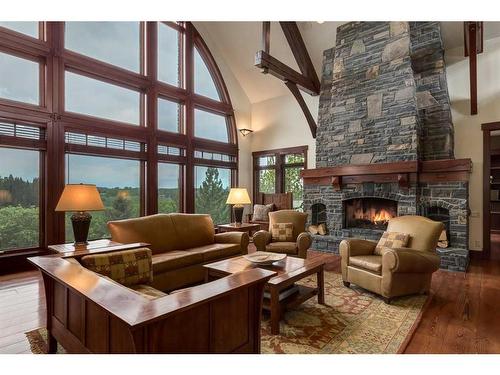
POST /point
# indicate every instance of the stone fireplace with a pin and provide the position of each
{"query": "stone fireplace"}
(384, 145)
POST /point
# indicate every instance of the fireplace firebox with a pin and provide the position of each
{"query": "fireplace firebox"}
(369, 212)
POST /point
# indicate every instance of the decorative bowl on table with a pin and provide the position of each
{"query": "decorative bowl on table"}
(264, 258)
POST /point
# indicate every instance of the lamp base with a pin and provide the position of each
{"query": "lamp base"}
(238, 213)
(81, 225)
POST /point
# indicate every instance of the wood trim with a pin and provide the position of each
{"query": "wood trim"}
(401, 172)
(486, 253)
(266, 36)
(299, 50)
(472, 29)
(284, 72)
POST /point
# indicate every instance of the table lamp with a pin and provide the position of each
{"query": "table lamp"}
(80, 198)
(238, 197)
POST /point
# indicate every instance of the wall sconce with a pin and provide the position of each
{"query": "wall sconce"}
(244, 131)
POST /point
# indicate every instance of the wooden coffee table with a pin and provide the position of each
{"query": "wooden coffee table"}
(288, 271)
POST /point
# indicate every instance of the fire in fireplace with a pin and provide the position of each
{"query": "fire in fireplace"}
(369, 213)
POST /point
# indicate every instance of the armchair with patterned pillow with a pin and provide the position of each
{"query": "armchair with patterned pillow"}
(286, 234)
(401, 263)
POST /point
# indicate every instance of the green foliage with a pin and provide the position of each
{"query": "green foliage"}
(17, 192)
(168, 200)
(211, 197)
(267, 181)
(293, 183)
(18, 227)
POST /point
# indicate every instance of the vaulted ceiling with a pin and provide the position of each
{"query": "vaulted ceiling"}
(239, 41)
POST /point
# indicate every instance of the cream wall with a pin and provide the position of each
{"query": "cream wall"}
(279, 122)
(468, 134)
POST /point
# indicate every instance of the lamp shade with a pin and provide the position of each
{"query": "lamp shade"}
(238, 196)
(80, 197)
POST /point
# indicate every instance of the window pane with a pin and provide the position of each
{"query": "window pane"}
(168, 187)
(169, 115)
(168, 55)
(19, 216)
(294, 184)
(294, 158)
(118, 183)
(203, 81)
(210, 126)
(267, 181)
(265, 161)
(23, 27)
(19, 79)
(212, 188)
(116, 43)
(96, 98)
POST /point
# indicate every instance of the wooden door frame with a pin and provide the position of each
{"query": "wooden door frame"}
(487, 129)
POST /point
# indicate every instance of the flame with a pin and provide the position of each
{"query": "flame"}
(375, 216)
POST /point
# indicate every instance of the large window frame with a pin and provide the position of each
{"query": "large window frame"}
(279, 166)
(55, 60)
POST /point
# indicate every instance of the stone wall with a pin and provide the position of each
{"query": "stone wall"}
(433, 103)
(368, 110)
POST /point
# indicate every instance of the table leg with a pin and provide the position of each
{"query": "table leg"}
(275, 311)
(321, 286)
(51, 344)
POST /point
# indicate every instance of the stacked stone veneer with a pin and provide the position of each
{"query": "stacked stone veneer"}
(384, 99)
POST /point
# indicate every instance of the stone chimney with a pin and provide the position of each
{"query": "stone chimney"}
(384, 96)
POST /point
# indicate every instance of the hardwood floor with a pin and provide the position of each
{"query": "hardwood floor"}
(462, 316)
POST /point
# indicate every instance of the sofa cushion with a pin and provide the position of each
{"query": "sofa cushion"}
(129, 267)
(217, 251)
(176, 259)
(282, 232)
(156, 230)
(193, 230)
(368, 262)
(148, 291)
(391, 240)
(282, 247)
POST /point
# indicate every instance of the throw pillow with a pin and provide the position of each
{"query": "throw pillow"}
(129, 267)
(391, 240)
(282, 232)
(261, 212)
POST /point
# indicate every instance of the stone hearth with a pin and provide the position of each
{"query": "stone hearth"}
(384, 99)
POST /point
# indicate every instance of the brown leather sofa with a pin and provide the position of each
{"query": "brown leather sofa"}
(181, 244)
(396, 272)
(301, 240)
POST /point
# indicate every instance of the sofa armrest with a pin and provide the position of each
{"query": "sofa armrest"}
(304, 241)
(406, 260)
(352, 247)
(261, 239)
(240, 238)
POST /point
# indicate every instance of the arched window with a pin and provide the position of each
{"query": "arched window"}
(138, 108)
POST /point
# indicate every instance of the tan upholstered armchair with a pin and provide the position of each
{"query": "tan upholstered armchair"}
(396, 272)
(300, 241)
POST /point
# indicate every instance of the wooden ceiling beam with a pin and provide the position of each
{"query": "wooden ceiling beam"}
(284, 72)
(473, 45)
(298, 96)
(299, 50)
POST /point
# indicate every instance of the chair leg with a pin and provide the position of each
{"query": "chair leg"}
(387, 300)
(347, 284)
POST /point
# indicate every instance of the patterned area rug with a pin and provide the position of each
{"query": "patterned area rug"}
(352, 321)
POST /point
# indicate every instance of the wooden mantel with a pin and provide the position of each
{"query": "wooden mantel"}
(403, 172)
